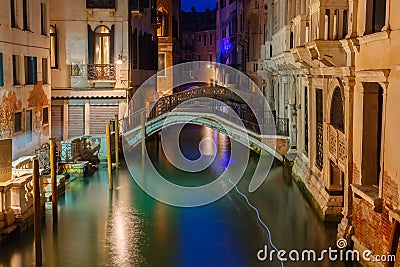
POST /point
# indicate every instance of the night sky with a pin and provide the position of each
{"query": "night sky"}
(199, 5)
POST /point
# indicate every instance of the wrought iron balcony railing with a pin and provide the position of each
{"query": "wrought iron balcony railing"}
(104, 72)
(106, 4)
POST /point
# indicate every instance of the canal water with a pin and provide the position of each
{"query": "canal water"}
(126, 227)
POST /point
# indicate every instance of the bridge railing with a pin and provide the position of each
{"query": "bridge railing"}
(193, 101)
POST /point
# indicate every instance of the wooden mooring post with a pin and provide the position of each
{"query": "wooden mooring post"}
(53, 175)
(37, 213)
(109, 162)
(116, 141)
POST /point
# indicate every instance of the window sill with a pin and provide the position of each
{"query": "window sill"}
(370, 194)
(19, 132)
(394, 214)
(373, 37)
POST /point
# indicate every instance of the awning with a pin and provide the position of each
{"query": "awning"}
(87, 93)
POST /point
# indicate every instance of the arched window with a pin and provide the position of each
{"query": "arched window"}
(102, 45)
(162, 21)
(337, 114)
(53, 47)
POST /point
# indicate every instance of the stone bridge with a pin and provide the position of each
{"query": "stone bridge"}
(226, 113)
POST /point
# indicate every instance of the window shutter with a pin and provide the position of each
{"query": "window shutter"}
(90, 45)
(34, 70)
(1, 70)
(112, 45)
(134, 53)
(166, 23)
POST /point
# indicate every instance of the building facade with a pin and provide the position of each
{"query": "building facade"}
(229, 25)
(168, 33)
(252, 36)
(100, 55)
(332, 67)
(198, 39)
(25, 83)
(372, 205)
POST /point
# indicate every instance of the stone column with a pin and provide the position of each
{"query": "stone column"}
(321, 30)
(290, 10)
(303, 8)
(331, 24)
(340, 22)
(387, 17)
(311, 122)
(298, 8)
(352, 18)
(345, 229)
(292, 112)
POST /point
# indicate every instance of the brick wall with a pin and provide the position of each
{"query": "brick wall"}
(371, 228)
(390, 191)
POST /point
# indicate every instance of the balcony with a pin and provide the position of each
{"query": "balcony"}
(102, 4)
(101, 72)
(337, 147)
(281, 41)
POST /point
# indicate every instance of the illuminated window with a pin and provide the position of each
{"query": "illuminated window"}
(162, 21)
(102, 45)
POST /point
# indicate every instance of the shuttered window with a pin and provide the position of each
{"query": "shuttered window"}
(17, 121)
(30, 70)
(100, 116)
(57, 119)
(90, 45)
(1, 70)
(76, 121)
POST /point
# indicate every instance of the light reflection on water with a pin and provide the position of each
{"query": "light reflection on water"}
(124, 236)
(128, 228)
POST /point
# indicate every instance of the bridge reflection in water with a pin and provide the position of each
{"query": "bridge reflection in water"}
(128, 228)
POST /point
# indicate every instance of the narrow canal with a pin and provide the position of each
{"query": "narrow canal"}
(129, 228)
